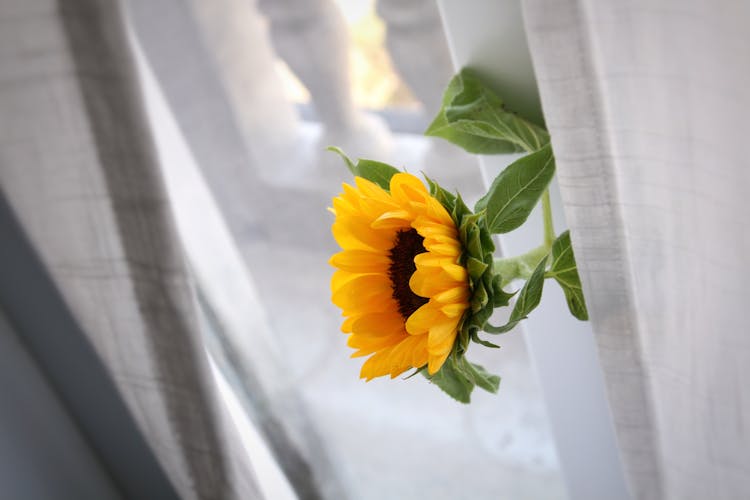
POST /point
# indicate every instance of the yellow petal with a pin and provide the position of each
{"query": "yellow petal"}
(369, 189)
(379, 324)
(427, 282)
(423, 318)
(346, 326)
(447, 249)
(457, 295)
(342, 206)
(453, 310)
(392, 220)
(441, 337)
(401, 356)
(441, 238)
(427, 227)
(437, 212)
(364, 292)
(356, 233)
(367, 345)
(376, 365)
(456, 272)
(361, 261)
(428, 259)
(418, 350)
(405, 188)
(436, 362)
(339, 278)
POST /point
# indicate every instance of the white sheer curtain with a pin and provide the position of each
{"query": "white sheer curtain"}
(78, 169)
(647, 104)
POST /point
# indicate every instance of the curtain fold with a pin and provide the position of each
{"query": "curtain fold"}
(78, 168)
(214, 65)
(647, 106)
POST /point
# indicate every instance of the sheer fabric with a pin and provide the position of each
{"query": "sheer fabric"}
(647, 106)
(78, 168)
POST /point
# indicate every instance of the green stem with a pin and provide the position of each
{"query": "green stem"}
(520, 266)
(549, 228)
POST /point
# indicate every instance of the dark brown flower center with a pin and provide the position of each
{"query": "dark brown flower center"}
(408, 244)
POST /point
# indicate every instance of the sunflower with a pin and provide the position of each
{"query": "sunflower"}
(399, 279)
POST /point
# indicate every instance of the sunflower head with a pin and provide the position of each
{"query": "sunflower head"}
(414, 277)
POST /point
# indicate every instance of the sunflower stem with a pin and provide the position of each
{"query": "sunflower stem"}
(549, 228)
(520, 266)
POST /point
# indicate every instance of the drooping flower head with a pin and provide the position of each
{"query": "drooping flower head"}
(400, 281)
(417, 279)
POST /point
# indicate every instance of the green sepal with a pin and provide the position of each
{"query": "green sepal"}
(473, 241)
(486, 238)
(475, 267)
(458, 377)
(500, 296)
(480, 298)
(528, 298)
(474, 118)
(475, 338)
(416, 371)
(478, 319)
(463, 339)
(375, 171)
(565, 271)
(446, 198)
(460, 210)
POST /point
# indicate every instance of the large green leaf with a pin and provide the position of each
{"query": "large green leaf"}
(565, 271)
(483, 378)
(451, 379)
(347, 161)
(378, 172)
(516, 190)
(528, 298)
(475, 118)
(458, 377)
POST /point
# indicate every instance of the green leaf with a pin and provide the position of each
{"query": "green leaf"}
(377, 172)
(528, 298)
(349, 163)
(475, 118)
(483, 378)
(453, 382)
(516, 190)
(457, 378)
(565, 271)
